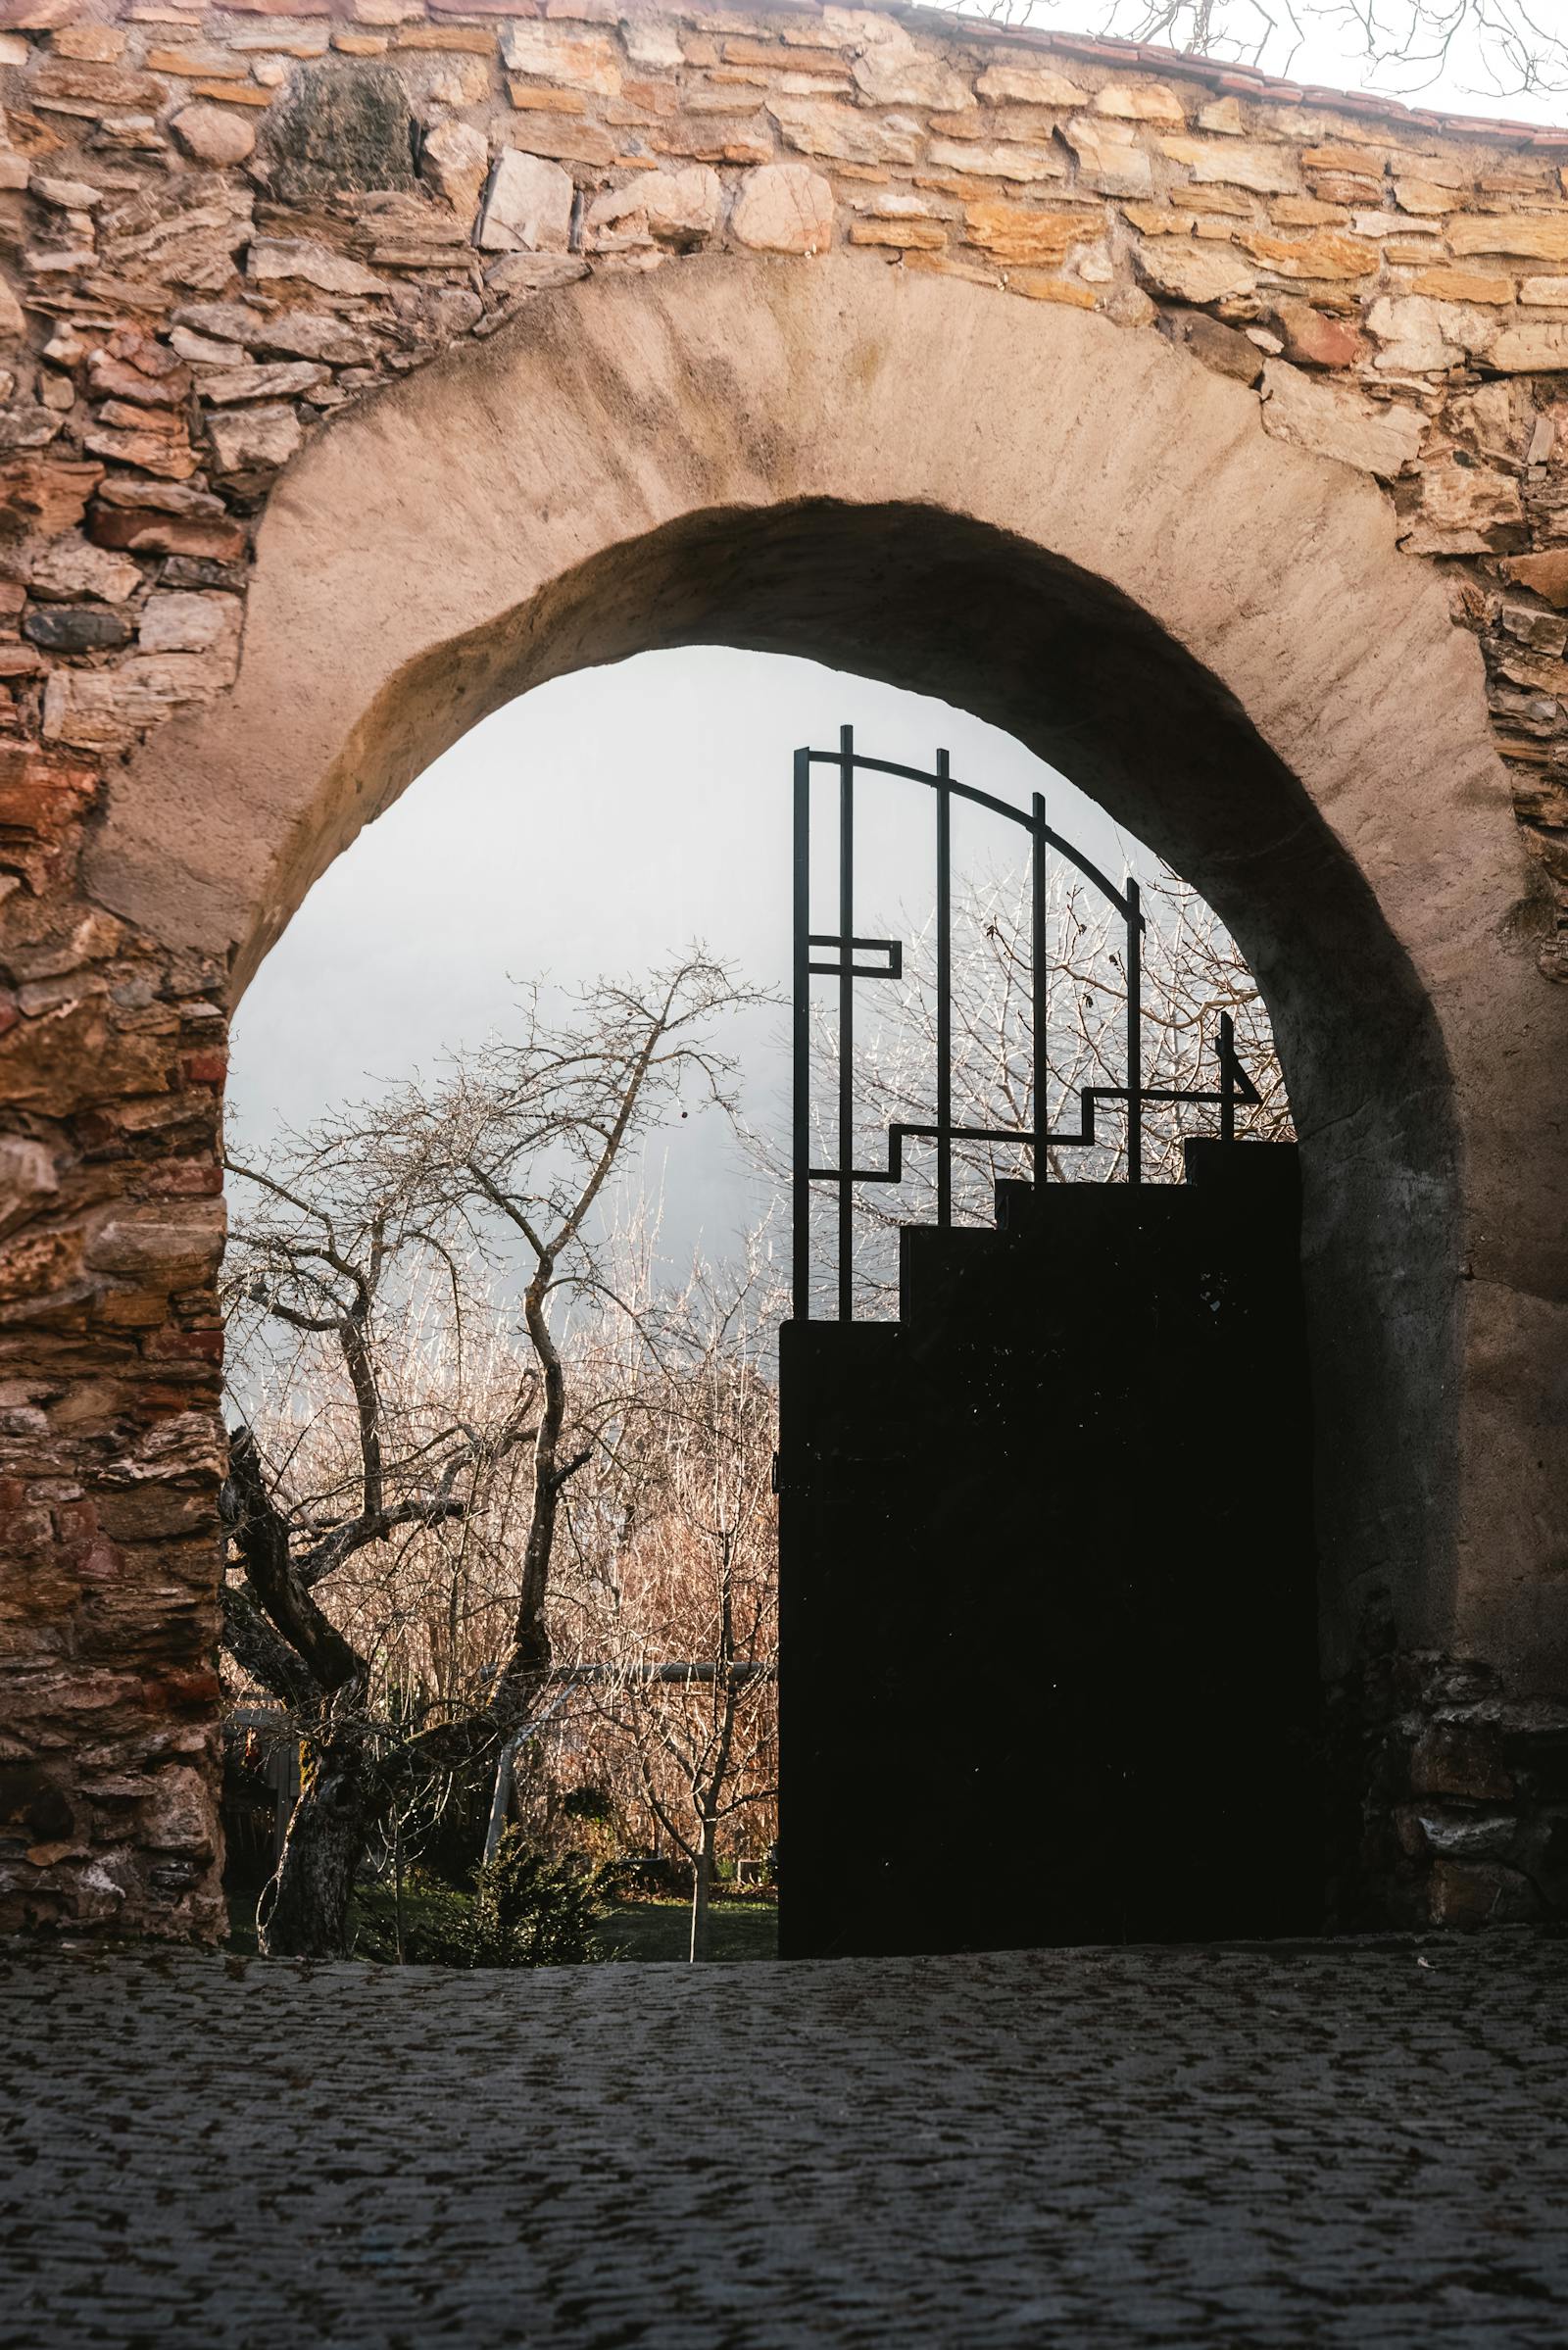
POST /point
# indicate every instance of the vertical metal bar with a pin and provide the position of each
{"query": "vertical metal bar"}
(1039, 985)
(944, 995)
(846, 1023)
(1227, 1078)
(801, 1243)
(1135, 1035)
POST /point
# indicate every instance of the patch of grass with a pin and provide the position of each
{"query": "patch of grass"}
(662, 1929)
(628, 1930)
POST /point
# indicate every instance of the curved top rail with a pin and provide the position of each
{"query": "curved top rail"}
(1031, 820)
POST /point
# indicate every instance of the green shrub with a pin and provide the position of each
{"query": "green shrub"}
(529, 1911)
(525, 1910)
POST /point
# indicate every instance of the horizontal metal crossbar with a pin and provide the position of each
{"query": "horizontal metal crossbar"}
(893, 948)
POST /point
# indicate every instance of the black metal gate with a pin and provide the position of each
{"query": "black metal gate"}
(1047, 1656)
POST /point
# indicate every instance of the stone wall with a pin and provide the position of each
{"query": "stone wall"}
(220, 228)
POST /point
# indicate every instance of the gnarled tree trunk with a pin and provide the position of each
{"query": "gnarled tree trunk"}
(303, 1912)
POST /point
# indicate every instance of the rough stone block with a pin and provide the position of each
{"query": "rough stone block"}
(528, 207)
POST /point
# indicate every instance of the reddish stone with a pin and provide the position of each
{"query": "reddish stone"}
(1547, 575)
(43, 797)
(43, 494)
(185, 1346)
(1314, 340)
(148, 356)
(101, 1561)
(188, 1691)
(143, 532)
(205, 1068)
(38, 16)
(77, 1521)
(186, 1178)
(120, 380)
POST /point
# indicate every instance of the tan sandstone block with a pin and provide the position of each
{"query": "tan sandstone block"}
(1007, 161)
(174, 621)
(1140, 102)
(1332, 421)
(1524, 236)
(1546, 576)
(1225, 116)
(1325, 257)
(1036, 288)
(456, 161)
(243, 438)
(231, 93)
(820, 127)
(1539, 347)
(1463, 285)
(925, 236)
(97, 44)
(275, 258)
(71, 567)
(1017, 236)
(541, 50)
(528, 206)
(1422, 196)
(679, 209)
(1109, 157)
(470, 40)
(1153, 219)
(530, 96)
(894, 70)
(1023, 86)
(1185, 272)
(784, 208)
(1306, 211)
(213, 134)
(1461, 507)
(1265, 170)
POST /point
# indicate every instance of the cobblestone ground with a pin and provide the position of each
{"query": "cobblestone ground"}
(1350, 2144)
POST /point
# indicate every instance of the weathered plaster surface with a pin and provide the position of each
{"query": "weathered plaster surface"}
(1203, 431)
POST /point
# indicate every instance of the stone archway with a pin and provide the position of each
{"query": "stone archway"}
(1088, 539)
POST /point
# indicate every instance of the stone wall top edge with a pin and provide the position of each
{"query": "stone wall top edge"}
(935, 22)
(1224, 74)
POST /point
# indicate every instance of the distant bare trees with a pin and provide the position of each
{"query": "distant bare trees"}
(497, 1170)
(1514, 47)
(691, 1574)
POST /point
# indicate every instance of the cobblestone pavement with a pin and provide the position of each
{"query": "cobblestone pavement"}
(1352, 2144)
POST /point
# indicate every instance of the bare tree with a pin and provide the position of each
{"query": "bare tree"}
(1517, 47)
(684, 1604)
(500, 1167)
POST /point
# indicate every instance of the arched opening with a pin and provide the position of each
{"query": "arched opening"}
(1079, 675)
(688, 459)
(584, 828)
